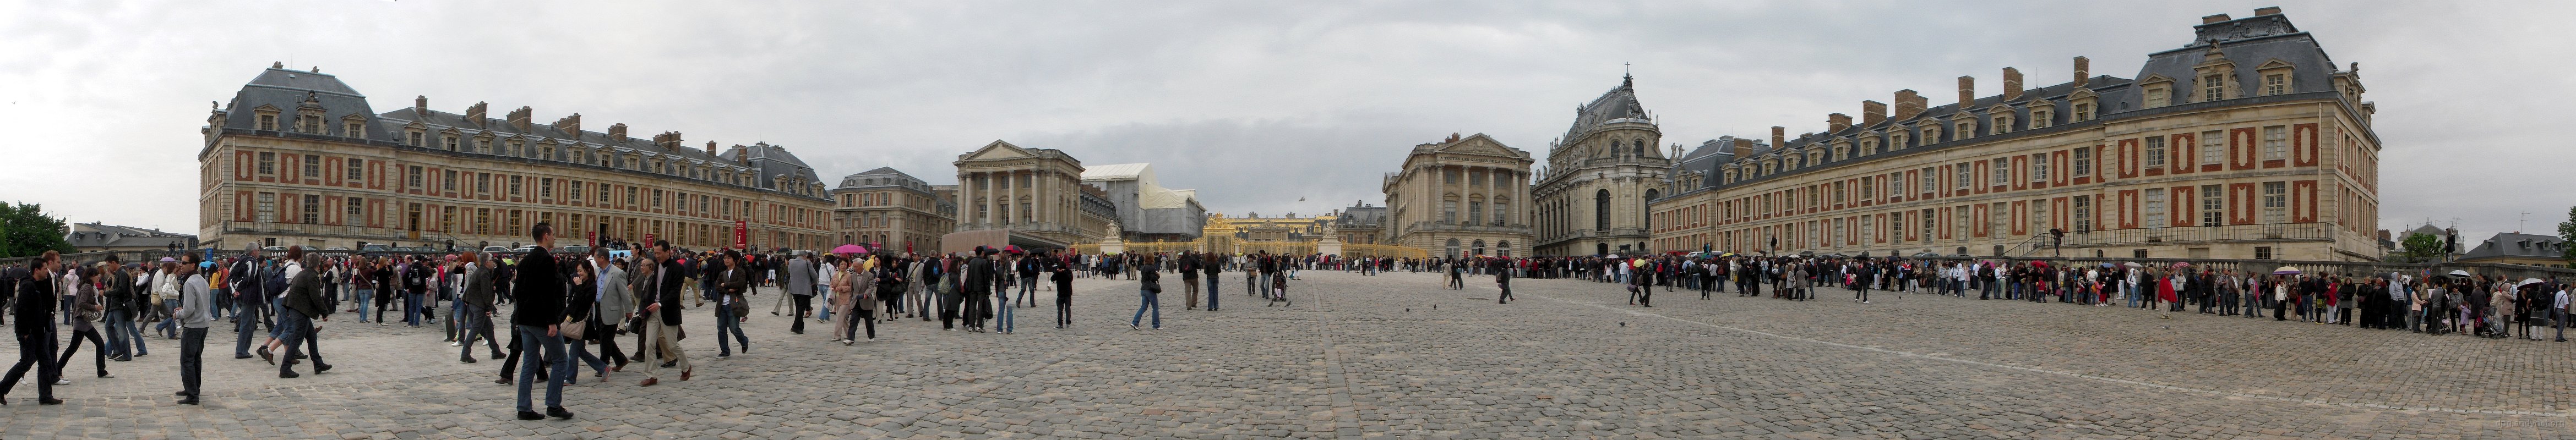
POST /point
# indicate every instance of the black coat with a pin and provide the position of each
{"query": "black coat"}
(35, 311)
(539, 290)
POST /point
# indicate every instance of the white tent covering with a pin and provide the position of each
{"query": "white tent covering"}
(1148, 194)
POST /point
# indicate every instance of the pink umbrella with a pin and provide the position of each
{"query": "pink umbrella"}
(850, 249)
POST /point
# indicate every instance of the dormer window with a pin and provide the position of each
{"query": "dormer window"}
(1841, 152)
(414, 139)
(1931, 134)
(2083, 111)
(448, 142)
(309, 122)
(2213, 87)
(354, 128)
(2040, 116)
(1868, 146)
(2003, 122)
(1967, 127)
(2276, 77)
(2157, 91)
(1896, 141)
(268, 121)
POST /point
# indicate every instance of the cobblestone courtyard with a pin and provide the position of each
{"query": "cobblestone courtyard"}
(1398, 356)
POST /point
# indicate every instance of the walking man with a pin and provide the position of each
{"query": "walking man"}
(539, 316)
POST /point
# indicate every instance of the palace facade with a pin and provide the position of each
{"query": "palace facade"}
(2246, 142)
(1033, 192)
(1461, 197)
(887, 208)
(1592, 195)
(299, 158)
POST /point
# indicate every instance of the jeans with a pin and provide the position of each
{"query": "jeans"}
(121, 336)
(35, 351)
(245, 323)
(1002, 314)
(551, 347)
(366, 298)
(298, 334)
(192, 359)
(823, 293)
(1028, 291)
(608, 354)
(99, 355)
(725, 323)
(1211, 292)
(1149, 302)
(476, 324)
(169, 325)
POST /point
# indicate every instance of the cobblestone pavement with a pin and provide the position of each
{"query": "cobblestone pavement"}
(1397, 356)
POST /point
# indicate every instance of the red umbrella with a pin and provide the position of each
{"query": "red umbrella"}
(850, 249)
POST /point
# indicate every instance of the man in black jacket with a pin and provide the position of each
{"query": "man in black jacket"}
(665, 301)
(303, 304)
(35, 331)
(539, 317)
(1211, 264)
(979, 289)
(247, 300)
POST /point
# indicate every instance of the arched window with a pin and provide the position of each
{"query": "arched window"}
(1601, 210)
(1480, 247)
(1641, 148)
(1453, 248)
(1646, 219)
(1503, 248)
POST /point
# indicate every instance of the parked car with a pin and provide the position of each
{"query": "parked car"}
(575, 250)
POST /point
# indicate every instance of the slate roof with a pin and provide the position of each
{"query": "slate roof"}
(1618, 103)
(2248, 42)
(286, 90)
(94, 235)
(2513, 245)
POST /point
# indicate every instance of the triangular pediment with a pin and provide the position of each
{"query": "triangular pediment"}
(1480, 144)
(999, 150)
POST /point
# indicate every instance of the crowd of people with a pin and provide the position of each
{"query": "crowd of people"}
(569, 311)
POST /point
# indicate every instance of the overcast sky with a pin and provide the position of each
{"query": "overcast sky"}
(1254, 104)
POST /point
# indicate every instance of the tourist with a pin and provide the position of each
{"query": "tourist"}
(86, 311)
(1063, 277)
(1147, 292)
(34, 310)
(194, 314)
(539, 316)
(477, 302)
(662, 313)
(303, 304)
(738, 280)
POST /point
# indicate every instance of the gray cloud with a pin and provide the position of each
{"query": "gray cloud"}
(1254, 104)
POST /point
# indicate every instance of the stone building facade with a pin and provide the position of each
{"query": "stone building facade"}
(1033, 191)
(1461, 197)
(299, 158)
(2247, 142)
(886, 208)
(1591, 198)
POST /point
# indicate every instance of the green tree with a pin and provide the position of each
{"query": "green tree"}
(2422, 247)
(25, 230)
(2567, 231)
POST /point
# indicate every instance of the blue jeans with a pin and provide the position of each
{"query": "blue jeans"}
(245, 323)
(366, 299)
(727, 324)
(121, 336)
(1028, 290)
(169, 327)
(296, 330)
(1002, 313)
(411, 309)
(1211, 293)
(1149, 302)
(535, 342)
(824, 295)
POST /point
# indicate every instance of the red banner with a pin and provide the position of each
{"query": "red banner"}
(741, 234)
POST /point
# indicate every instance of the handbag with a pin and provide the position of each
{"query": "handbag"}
(741, 307)
(574, 330)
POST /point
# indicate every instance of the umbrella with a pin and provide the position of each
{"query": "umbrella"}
(2527, 282)
(1614, 255)
(1011, 249)
(2135, 264)
(2179, 265)
(2286, 270)
(850, 249)
(2460, 273)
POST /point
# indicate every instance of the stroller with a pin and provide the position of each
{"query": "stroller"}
(1279, 290)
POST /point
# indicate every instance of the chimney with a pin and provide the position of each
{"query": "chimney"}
(1779, 136)
(570, 125)
(2213, 19)
(1837, 121)
(2083, 70)
(519, 118)
(1872, 113)
(711, 148)
(2012, 84)
(1744, 148)
(617, 132)
(1967, 92)
(1908, 104)
(474, 114)
(2258, 12)
(420, 103)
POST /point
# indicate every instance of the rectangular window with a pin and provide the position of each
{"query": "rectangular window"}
(2083, 162)
(2039, 216)
(267, 163)
(2275, 84)
(312, 209)
(2084, 111)
(2158, 97)
(2213, 206)
(2276, 143)
(482, 183)
(357, 209)
(2039, 167)
(312, 166)
(1475, 210)
(1967, 174)
(2155, 208)
(449, 182)
(2213, 87)
(2265, 253)
(574, 190)
(1449, 212)
(1931, 179)
(415, 139)
(2083, 213)
(267, 212)
(546, 187)
(2003, 171)
(357, 169)
(2155, 152)
(448, 142)
(1500, 211)
(1895, 187)
(268, 122)
(354, 129)
(630, 196)
(413, 177)
(2213, 147)
(514, 186)
(2276, 202)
